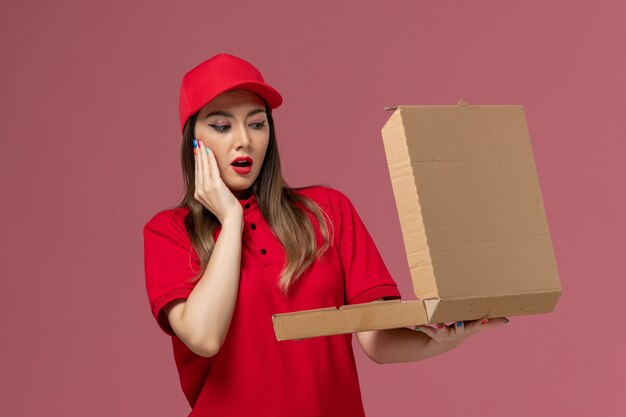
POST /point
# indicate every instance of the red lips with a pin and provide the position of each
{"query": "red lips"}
(242, 164)
(242, 161)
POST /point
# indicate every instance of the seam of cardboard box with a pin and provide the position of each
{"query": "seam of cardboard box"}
(469, 297)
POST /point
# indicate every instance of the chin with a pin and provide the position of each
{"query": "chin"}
(240, 187)
(240, 183)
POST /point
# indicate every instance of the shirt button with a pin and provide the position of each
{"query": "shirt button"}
(253, 226)
(263, 251)
(247, 205)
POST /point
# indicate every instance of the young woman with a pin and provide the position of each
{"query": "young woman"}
(243, 245)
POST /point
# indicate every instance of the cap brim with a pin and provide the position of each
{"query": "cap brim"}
(267, 92)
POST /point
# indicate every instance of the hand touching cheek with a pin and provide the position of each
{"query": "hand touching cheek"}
(210, 190)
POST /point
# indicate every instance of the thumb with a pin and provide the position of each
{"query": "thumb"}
(497, 322)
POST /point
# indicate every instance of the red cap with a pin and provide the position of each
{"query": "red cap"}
(218, 74)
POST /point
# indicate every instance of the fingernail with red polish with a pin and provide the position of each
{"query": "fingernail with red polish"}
(483, 321)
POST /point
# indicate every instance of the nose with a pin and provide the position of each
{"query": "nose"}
(242, 138)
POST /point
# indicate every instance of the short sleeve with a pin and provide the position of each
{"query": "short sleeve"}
(170, 263)
(366, 276)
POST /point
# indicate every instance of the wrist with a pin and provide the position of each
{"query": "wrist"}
(233, 222)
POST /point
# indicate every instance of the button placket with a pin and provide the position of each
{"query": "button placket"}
(254, 233)
(260, 239)
(248, 218)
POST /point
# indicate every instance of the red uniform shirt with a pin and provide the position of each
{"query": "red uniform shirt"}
(253, 374)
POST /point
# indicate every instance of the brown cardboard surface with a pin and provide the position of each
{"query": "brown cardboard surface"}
(350, 318)
(472, 219)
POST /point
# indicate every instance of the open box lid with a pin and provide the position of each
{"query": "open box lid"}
(470, 205)
(472, 218)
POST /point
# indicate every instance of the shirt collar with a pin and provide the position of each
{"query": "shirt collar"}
(250, 200)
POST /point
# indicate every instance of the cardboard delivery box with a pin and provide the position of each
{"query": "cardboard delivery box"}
(472, 218)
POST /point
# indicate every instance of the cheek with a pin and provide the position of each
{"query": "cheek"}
(263, 144)
(222, 158)
(199, 131)
(218, 153)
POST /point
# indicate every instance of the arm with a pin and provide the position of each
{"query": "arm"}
(202, 321)
(407, 345)
(396, 345)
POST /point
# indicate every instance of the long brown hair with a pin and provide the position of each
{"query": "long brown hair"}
(281, 207)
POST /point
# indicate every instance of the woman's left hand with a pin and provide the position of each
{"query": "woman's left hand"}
(445, 338)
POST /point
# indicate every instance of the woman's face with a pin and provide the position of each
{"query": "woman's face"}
(234, 125)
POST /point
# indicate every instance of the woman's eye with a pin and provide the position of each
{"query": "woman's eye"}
(258, 125)
(220, 128)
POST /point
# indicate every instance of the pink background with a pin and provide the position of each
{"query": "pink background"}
(89, 152)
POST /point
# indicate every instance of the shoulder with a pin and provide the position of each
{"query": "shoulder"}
(324, 195)
(331, 200)
(170, 219)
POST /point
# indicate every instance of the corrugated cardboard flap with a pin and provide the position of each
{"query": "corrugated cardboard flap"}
(350, 318)
(477, 307)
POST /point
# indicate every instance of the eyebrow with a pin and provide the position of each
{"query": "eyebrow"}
(227, 114)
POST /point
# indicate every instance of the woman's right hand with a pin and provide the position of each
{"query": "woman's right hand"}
(210, 190)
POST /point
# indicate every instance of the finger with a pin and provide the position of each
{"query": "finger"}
(497, 322)
(197, 172)
(484, 324)
(459, 328)
(215, 169)
(206, 174)
(428, 330)
(473, 326)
